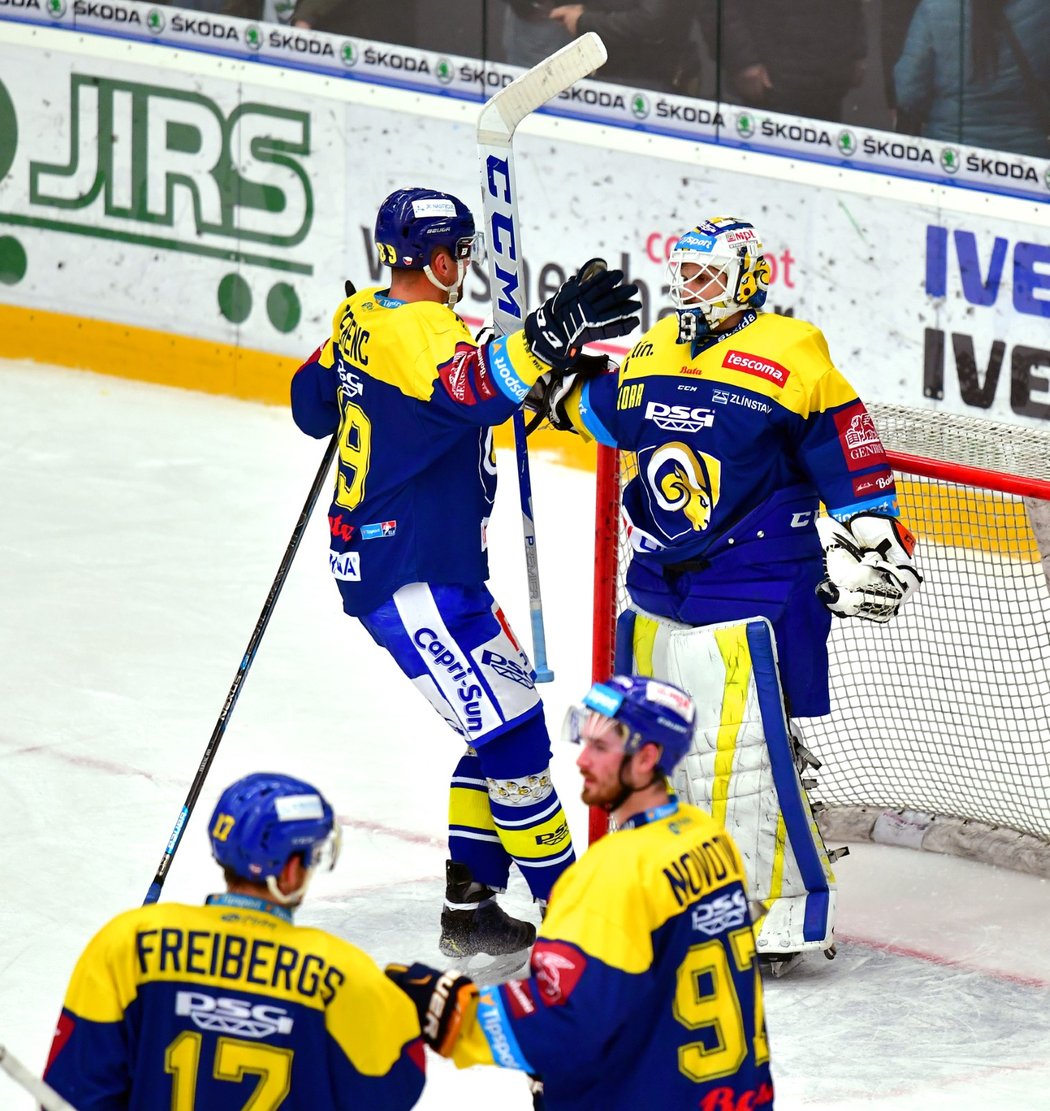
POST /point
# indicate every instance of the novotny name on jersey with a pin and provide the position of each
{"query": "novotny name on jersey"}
(345, 565)
(232, 1016)
(678, 418)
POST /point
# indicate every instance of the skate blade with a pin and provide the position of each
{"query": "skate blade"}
(488, 969)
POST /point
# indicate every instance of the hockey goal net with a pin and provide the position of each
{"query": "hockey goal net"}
(939, 735)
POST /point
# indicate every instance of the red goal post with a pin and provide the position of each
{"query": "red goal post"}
(939, 735)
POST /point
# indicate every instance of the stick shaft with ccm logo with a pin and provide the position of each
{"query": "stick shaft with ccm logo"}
(497, 123)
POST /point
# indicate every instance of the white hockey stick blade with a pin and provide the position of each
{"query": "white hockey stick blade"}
(508, 107)
(41, 1091)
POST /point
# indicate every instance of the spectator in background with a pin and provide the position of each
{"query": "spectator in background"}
(352, 18)
(800, 59)
(893, 29)
(650, 42)
(978, 72)
(529, 33)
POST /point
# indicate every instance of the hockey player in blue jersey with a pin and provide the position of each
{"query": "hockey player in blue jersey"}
(414, 399)
(644, 989)
(738, 426)
(230, 1004)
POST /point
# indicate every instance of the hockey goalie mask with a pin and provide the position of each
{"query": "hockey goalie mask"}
(717, 270)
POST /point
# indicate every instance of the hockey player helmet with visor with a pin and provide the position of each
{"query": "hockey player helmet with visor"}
(413, 223)
(646, 711)
(265, 818)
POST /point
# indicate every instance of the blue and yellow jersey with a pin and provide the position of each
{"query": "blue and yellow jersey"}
(645, 991)
(230, 1005)
(413, 399)
(737, 445)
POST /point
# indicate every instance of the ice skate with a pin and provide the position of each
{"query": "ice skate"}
(473, 924)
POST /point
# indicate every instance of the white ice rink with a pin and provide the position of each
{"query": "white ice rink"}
(141, 529)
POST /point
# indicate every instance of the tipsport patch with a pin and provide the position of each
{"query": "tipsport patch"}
(379, 531)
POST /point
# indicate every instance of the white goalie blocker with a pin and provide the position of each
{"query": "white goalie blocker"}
(742, 767)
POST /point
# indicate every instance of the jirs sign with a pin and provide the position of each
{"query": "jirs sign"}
(983, 272)
(177, 173)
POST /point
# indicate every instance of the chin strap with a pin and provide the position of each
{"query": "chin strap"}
(456, 288)
(292, 898)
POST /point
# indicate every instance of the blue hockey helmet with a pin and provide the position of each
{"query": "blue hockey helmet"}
(649, 711)
(730, 253)
(412, 222)
(264, 818)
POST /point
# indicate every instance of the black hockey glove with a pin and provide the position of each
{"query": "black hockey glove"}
(536, 1091)
(440, 998)
(547, 397)
(594, 304)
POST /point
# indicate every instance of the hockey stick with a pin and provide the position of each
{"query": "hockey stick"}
(39, 1089)
(235, 689)
(497, 123)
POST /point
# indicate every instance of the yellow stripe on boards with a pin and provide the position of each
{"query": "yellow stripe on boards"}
(126, 351)
(736, 657)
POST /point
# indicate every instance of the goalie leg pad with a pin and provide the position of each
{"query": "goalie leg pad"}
(742, 767)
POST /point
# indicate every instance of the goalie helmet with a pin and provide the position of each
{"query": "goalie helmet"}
(649, 710)
(412, 222)
(263, 819)
(730, 255)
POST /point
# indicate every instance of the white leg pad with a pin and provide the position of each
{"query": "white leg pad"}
(742, 768)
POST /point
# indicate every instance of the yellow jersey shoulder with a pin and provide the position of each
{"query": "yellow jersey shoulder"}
(400, 345)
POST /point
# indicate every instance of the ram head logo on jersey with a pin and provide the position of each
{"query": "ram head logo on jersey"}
(686, 481)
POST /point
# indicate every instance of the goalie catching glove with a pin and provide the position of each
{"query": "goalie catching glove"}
(868, 566)
(594, 304)
(441, 999)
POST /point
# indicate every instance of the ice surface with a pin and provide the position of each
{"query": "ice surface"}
(141, 529)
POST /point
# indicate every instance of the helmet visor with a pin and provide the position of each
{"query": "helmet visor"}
(471, 247)
(324, 853)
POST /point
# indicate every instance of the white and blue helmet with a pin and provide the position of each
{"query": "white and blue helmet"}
(729, 249)
(649, 711)
(263, 819)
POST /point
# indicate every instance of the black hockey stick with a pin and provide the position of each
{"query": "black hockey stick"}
(249, 655)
